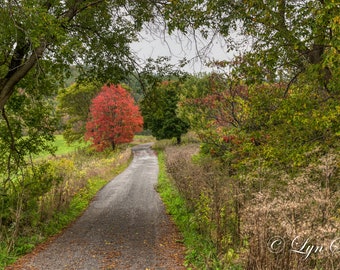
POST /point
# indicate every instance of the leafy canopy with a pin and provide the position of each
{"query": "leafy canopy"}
(93, 35)
(285, 40)
(114, 118)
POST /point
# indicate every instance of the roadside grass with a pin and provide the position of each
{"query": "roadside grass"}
(26, 244)
(60, 219)
(190, 216)
(198, 247)
(226, 222)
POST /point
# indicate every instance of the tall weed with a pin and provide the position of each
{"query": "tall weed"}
(294, 227)
(265, 219)
(210, 193)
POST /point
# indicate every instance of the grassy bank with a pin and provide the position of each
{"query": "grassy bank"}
(199, 248)
(62, 189)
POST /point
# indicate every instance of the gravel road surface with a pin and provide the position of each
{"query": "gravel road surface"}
(125, 227)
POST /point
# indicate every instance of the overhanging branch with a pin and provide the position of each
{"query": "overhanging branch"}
(9, 83)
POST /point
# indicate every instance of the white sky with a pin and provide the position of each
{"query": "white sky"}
(178, 46)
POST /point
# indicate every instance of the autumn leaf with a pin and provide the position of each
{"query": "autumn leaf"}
(114, 118)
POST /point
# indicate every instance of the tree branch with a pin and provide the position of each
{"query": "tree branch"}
(19, 73)
(18, 67)
(76, 8)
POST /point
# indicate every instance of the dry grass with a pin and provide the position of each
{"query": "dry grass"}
(75, 177)
(306, 210)
(271, 207)
(209, 193)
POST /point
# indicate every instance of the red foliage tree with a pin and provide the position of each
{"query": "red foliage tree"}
(114, 118)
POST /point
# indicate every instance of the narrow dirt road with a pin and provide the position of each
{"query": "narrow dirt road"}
(125, 227)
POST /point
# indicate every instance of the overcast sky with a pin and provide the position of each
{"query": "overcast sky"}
(178, 46)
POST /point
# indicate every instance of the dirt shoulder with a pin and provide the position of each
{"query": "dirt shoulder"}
(125, 227)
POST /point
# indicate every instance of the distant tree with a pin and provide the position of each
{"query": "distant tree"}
(74, 106)
(114, 118)
(159, 108)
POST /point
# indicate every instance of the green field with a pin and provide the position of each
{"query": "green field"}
(62, 147)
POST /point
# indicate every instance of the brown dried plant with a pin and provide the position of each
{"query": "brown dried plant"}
(296, 226)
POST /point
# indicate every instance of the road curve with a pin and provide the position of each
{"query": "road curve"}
(125, 227)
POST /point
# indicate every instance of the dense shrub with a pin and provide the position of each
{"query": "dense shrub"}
(247, 217)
